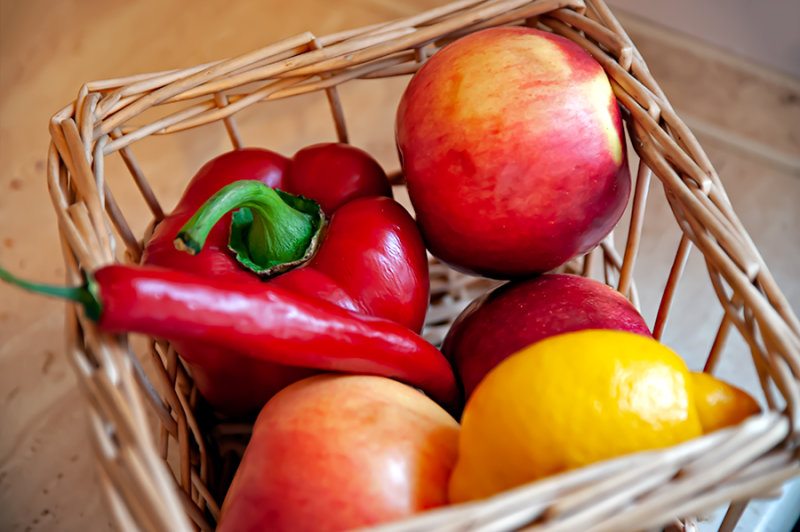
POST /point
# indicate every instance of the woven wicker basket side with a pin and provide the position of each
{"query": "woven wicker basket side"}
(642, 491)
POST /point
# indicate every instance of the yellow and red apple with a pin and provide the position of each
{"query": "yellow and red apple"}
(338, 452)
(512, 147)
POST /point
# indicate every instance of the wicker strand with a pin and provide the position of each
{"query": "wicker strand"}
(87, 187)
(732, 516)
(690, 196)
(681, 255)
(638, 205)
(719, 341)
(138, 177)
(159, 95)
(230, 125)
(333, 100)
(635, 97)
(689, 486)
(55, 186)
(83, 115)
(140, 83)
(115, 214)
(79, 214)
(244, 75)
(767, 318)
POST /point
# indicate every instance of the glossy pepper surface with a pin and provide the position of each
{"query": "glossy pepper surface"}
(261, 322)
(372, 259)
(330, 173)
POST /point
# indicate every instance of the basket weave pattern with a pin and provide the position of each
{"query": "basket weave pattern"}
(642, 491)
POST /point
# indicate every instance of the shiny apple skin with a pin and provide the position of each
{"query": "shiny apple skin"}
(338, 452)
(512, 146)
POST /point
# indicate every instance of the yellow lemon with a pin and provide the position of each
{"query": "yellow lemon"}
(720, 404)
(568, 401)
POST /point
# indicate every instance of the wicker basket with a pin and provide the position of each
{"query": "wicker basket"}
(162, 460)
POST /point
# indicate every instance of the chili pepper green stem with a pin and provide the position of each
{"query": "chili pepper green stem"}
(278, 233)
(87, 294)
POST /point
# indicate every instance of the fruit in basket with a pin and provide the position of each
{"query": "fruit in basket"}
(341, 452)
(721, 404)
(568, 401)
(381, 271)
(520, 313)
(511, 143)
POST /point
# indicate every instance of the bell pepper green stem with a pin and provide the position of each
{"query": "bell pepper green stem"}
(87, 294)
(277, 234)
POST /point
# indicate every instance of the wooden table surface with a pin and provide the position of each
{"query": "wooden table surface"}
(48, 49)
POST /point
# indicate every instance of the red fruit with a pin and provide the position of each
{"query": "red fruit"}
(333, 453)
(518, 314)
(512, 147)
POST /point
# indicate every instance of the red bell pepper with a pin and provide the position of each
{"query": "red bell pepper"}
(371, 248)
(261, 322)
(250, 163)
(372, 261)
(329, 173)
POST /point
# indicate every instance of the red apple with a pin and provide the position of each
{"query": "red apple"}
(337, 452)
(512, 147)
(518, 314)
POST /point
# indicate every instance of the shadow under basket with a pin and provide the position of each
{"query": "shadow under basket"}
(164, 460)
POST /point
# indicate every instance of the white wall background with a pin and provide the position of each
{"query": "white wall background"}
(764, 31)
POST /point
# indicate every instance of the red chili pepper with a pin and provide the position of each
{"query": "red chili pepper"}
(261, 322)
(373, 260)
